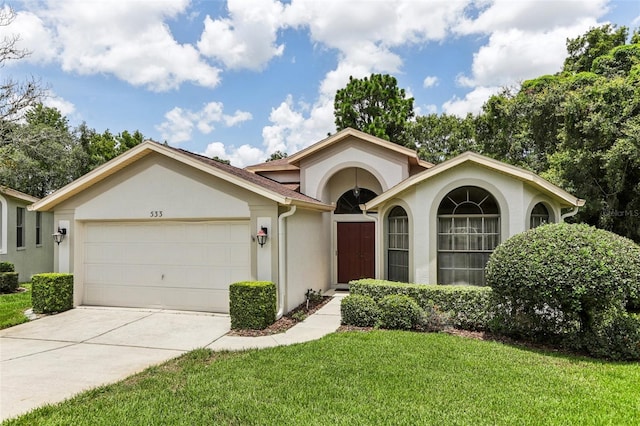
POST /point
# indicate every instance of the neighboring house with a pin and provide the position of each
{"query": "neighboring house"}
(162, 227)
(25, 236)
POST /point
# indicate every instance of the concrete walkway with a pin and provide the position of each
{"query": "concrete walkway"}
(53, 358)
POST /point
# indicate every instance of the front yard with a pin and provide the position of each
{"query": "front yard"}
(378, 377)
(13, 305)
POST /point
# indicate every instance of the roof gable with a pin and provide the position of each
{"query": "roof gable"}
(471, 157)
(5, 190)
(293, 161)
(250, 181)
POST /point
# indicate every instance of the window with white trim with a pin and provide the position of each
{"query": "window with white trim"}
(398, 245)
(539, 216)
(468, 232)
(38, 228)
(3, 225)
(20, 240)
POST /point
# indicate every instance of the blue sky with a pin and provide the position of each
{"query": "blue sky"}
(241, 79)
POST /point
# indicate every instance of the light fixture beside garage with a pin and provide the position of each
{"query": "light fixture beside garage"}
(261, 236)
(59, 236)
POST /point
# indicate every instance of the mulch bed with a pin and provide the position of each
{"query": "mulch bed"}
(287, 321)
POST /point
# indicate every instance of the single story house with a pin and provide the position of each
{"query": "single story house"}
(25, 236)
(167, 228)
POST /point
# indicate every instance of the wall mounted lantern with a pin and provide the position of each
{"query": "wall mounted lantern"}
(59, 236)
(261, 236)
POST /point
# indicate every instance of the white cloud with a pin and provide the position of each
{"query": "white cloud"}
(430, 81)
(531, 15)
(130, 40)
(527, 38)
(179, 123)
(65, 107)
(33, 36)
(242, 156)
(471, 103)
(247, 39)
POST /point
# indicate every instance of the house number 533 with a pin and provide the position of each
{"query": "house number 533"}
(155, 213)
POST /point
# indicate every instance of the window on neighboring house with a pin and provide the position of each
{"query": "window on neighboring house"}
(539, 216)
(38, 228)
(3, 225)
(468, 232)
(398, 245)
(20, 227)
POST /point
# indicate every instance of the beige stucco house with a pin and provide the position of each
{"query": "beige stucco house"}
(25, 236)
(163, 227)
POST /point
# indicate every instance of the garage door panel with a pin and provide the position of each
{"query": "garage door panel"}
(165, 265)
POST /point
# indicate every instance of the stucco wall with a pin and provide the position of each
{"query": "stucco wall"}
(388, 167)
(31, 259)
(308, 247)
(514, 198)
(175, 192)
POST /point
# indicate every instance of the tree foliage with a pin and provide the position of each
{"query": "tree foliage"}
(44, 153)
(374, 105)
(277, 155)
(579, 128)
(440, 137)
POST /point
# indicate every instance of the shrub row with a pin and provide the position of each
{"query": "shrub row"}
(52, 293)
(465, 307)
(394, 311)
(8, 278)
(252, 304)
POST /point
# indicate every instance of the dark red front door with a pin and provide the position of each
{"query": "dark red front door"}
(356, 246)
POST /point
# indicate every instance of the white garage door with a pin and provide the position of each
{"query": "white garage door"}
(184, 266)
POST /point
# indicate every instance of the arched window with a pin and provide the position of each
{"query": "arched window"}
(348, 203)
(398, 245)
(539, 216)
(468, 231)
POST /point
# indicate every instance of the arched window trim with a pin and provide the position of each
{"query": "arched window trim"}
(465, 240)
(398, 244)
(349, 204)
(537, 218)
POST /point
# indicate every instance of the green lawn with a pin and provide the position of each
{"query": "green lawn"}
(13, 305)
(380, 377)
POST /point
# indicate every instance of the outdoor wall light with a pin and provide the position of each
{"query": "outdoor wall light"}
(59, 236)
(261, 236)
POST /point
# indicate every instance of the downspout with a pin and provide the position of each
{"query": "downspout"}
(572, 213)
(282, 264)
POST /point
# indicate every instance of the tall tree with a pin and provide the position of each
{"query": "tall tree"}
(441, 137)
(375, 105)
(579, 128)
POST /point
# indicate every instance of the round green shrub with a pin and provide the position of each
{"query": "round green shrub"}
(359, 310)
(398, 311)
(554, 282)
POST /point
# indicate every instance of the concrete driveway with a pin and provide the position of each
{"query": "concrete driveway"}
(55, 357)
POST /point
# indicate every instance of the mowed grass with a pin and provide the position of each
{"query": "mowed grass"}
(356, 378)
(13, 305)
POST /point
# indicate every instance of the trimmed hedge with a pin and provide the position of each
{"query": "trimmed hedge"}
(467, 307)
(8, 278)
(400, 312)
(52, 293)
(570, 285)
(252, 304)
(8, 282)
(7, 267)
(359, 310)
